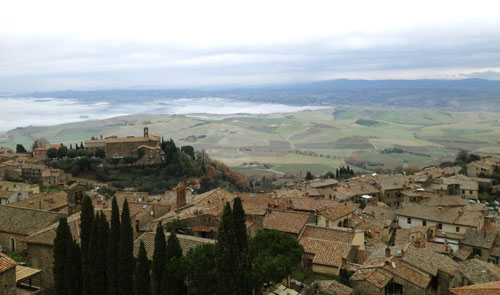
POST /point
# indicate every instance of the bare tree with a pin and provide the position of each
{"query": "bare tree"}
(40, 142)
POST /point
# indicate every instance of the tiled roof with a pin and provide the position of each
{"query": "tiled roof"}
(255, 203)
(47, 235)
(25, 221)
(479, 239)
(490, 288)
(334, 287)
(6, 263)
(408, 273)
(463, 253)
(343, 235)
(51, 201)
(186, 242)
(285, 221)
(441, 214)
(478, 271)
(328, 253)
(339, 211)
(323, 182)
(429, 262)
(378, 277)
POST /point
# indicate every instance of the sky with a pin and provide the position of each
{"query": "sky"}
(86, 45)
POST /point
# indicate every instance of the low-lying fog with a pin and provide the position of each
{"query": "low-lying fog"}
(22, 112)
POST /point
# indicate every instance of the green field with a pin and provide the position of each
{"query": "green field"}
(308, 140)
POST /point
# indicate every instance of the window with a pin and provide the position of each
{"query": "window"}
(424, 222)
(409, 220)
(12, 245)
(440, 226)
(476, 251)
(470, 192)
(457, 229)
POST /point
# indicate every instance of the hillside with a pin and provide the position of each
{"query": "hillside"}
(450, 95)
(318, 140)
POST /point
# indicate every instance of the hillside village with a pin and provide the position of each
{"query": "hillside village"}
(432, 232)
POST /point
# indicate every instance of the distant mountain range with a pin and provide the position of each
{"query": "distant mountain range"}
(452, 95)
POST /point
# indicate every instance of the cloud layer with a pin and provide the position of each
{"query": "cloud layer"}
(95, 45)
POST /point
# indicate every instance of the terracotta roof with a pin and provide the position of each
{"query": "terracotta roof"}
(6, 263)
(25, 221)
(408, 273)
(323, 182)
(186, 242)
(334, 287)
(328, 253)
(344, 235)
(479, 239)
(339, 211)
(255, 203)
(429, 262)
(285, 221)
(490, 288)
(463, 253)
(478, 271)
(441, 214)
(378, 277)
(51, 201)
(47, 235)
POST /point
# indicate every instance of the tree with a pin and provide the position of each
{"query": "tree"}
(158, 267)
(73, 270)
(273, 255)
(86, 222)
(240, 231)
(188, 150)
(40, 142)
(462, 156)
(200, 270)
(112, 257)
(125, 254)
(99, 153)
(20, 148)
(62, 242)
(52, 153)
(173, 277)
(309, 176)
(226, 254)
(61, 151)
(142, 281)
(97, 255)
(178, 226)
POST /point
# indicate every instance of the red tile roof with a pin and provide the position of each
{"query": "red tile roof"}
(6, 263)
(284, 221)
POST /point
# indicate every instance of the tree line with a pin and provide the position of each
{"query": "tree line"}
(103, 262)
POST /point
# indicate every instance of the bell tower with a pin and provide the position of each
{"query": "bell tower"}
(146, 132)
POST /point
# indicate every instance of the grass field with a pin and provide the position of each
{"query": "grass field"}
(294, 142)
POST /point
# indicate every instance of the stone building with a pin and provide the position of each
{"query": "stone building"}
(17, 223)
(146, 148)
(40, 153)
(7, 275)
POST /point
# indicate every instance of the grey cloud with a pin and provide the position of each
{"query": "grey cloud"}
(54, 64)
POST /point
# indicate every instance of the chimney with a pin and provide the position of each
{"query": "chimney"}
(181, 195)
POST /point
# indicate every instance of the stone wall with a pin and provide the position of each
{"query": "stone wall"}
(41, 257)
(5, 242)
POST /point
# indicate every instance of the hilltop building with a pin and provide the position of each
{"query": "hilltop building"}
(146, 147)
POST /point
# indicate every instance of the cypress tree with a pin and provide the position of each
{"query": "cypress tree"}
(92, 256)
(86, 221)
(112, 257)
(125, 254)
(62, 243)
(226, 255)
(158, 267)
(142, 281)
(73, 270)
(240, 230)
(97, 255)
(173, 278)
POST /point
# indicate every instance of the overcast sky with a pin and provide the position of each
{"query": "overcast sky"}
(81, 45)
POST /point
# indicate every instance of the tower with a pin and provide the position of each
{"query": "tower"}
(146, 132)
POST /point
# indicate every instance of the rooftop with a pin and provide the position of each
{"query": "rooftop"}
(285, 221)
